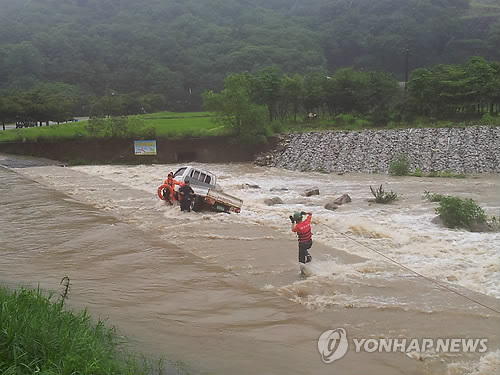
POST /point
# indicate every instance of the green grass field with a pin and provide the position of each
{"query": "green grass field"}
(171, 124)
(167, 124)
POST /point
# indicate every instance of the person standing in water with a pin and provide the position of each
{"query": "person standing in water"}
(304, 234)
(186, 193)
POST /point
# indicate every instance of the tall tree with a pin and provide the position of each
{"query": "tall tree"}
(235, 110)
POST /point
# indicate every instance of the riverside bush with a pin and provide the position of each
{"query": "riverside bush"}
(433, 197)
(40, 337)
(350, 121)
(418, 172)
(488, 119)
(382, 196)
(119, 127)
(460, 213)
(400, 166)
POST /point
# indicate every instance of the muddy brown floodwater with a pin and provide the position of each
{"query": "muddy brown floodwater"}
(222, 293)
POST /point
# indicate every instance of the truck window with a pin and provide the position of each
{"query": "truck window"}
(202, 177)
(208, 180)
(179, 172)
(196, 175)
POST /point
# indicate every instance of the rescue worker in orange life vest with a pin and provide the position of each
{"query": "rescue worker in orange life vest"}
(169, 192)
(303, 230)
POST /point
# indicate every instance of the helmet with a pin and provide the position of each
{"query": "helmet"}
(170, 174)
(297, 216)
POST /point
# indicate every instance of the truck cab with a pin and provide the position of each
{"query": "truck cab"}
(208, 195)
(196, 177)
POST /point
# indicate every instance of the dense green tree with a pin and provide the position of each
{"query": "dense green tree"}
(314, 91)
(455, 90)
(483, 83)
(422, 93)
(97, 44)
(235, 110)
(181, 48)
(9, 110)
(265, 87)
(291, 96)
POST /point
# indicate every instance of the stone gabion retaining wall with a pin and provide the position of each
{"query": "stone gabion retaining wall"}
(459, 150)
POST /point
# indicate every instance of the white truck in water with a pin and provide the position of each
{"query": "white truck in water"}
(208, 194)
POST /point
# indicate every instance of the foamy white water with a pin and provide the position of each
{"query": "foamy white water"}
(230, 286)
(402, 230)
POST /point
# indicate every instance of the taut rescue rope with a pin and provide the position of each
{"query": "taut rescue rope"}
(413, 271)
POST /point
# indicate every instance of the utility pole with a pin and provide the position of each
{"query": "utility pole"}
(406, 70)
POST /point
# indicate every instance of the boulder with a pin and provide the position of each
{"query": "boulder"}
(344, 198)
(438, 221)
(331, 206)
(272, 201)
(278, 189)
(475, 227)
(481, 227)
(250, 186)
(312, 191)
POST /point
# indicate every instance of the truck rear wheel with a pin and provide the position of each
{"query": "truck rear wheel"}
(197, 203)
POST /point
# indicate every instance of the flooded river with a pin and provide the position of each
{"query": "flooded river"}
(222, 293)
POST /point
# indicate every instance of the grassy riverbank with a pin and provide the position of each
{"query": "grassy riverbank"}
(165, 124)
(38, 336)
(176, 125)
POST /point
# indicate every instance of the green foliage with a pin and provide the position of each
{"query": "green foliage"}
(178, 125)
(432, 174)
(364, 92)
(164, 54)
(433, 197)
(488, 119)
(350, 121)
(461, 213)
(465, 91)
(322, 170)
(119, 127)
(45, 102)
(304, 167)
(39, 337)
(382, 196)
(51, 132)
(400, 166)
(445, 174)
(418, 172)
(236, 111)
(450, 174)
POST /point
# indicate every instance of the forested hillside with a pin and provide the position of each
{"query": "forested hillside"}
(180, 48)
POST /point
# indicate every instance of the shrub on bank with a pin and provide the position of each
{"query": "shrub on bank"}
(119, 127)
(400, 166)
(461, 213)
(38, 336)
(382, 196)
